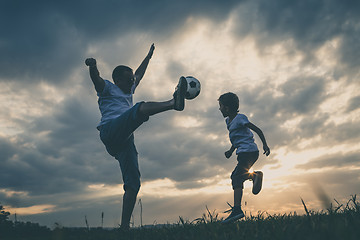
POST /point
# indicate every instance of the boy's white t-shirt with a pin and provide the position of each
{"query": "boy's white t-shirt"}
(241, 136)
(113, 102)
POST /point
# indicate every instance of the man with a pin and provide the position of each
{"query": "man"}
(120, 118)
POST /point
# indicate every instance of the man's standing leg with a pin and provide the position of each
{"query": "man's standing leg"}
(128, 160)
(129, 200)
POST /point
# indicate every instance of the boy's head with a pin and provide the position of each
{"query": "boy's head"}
(229, 103)
(124, 78)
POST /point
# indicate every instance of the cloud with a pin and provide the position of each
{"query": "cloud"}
(334, 161)
(353, 104)
(57, 153)
(54, 37)
(303, 26)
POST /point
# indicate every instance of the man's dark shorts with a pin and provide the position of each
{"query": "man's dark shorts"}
(241, 172)
(118, 138)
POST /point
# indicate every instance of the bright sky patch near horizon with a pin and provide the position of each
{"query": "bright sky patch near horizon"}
(297, 77)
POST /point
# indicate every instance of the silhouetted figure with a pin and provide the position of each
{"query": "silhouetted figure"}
(247, 151)
(120, 118)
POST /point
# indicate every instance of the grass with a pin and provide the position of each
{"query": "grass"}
(337, 222)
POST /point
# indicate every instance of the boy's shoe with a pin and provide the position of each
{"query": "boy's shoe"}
(257, 183)
(179, 94)
(236, 214)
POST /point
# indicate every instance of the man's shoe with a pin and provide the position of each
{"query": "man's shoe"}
(236, 214)
(257, 183)
(179, 94)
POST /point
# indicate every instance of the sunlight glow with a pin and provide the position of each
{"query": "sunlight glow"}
(36, 209)
(167, 188)
(103, 190)
(187, 122)
(11, 193)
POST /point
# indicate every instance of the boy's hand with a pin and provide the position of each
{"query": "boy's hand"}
(90, 62)
(266, 150)
(228, 154)
(151, 51)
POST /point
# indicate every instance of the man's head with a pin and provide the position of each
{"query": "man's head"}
(124, 78)
(229, 103)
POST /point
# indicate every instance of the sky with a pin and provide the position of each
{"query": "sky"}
(293, 64)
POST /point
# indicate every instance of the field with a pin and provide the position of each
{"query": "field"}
(340, 222)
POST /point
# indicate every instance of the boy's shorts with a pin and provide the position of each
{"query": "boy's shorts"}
(118, 138)
(241, 171)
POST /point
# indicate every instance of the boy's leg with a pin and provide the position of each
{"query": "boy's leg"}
(241, 172)
(238, 193)
(236, 212)
(257, 182)
(238, 176)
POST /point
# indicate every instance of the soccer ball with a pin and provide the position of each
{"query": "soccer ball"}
(193, 88)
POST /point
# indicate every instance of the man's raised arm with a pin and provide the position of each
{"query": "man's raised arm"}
(99, 83)
(139, 73)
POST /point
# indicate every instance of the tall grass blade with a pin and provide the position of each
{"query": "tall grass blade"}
(86, 223)
(102, 219)
(306, 210)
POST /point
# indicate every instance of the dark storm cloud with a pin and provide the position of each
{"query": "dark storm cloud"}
(177, 156)
(36, 42)
(348, 132)
(7, 149)
(33, 172)
(353, 104)
(338, 160)
(331, 180)
(310, 24)
(298, 97)
(47, 40)
(58, 153)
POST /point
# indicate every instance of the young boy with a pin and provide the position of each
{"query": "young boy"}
(120, 118)
(247, 152)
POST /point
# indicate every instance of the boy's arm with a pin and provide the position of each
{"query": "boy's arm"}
(140, 71)
(261, 135)
(229, 152)
(99, 83)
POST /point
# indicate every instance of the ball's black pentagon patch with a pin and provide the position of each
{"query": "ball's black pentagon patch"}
(192, 84)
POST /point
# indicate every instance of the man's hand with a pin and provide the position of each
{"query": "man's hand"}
(151, 51)
(99, 83)
(266, 150)
(228, 153)
(90, 62)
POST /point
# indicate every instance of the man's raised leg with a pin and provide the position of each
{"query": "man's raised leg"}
(177, 103)
(151, 108)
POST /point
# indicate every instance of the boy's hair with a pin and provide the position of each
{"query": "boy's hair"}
(230, 100)
(119, 72)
